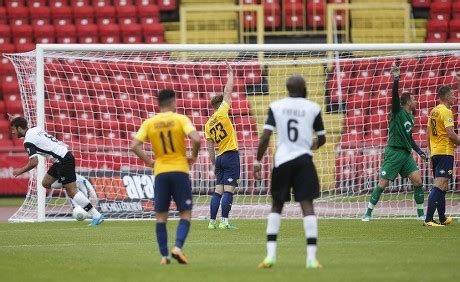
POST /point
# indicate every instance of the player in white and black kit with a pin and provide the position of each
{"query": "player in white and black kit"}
(295, 120)
(38, 142)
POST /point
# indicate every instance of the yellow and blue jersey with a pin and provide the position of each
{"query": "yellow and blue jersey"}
(219, 129)
(440, 118)
(166, 133)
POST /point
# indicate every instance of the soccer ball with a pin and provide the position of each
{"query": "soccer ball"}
(79, 213)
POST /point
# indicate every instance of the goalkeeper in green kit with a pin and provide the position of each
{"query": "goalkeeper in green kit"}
(397, 157)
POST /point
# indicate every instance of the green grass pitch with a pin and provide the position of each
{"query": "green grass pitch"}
(380, 250)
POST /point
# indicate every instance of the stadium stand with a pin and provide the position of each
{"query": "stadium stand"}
(25, 23)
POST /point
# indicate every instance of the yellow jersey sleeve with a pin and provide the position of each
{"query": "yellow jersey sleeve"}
(142, 134)
(187, 125)
(223, 109)
(447, 118)
(207, 135)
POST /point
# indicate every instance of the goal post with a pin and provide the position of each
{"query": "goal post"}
(94, 98)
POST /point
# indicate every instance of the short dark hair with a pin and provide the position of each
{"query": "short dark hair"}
(165, 97)
(405, 98)
(296, 86)
(443, 91)
(216, 101)
(19, 122)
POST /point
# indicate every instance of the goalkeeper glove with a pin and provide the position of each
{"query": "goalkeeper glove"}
(423, 155)
(394, 71)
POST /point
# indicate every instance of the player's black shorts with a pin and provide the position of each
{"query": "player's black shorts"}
(443, 165)
(64, 170)
(175, 185)
(228, 168)
(298, 174)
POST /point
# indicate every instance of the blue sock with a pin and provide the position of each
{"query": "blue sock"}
(215, 203)
(181, 233)
(227, 201)
(162, 238)
(442, 206)
(433, 201)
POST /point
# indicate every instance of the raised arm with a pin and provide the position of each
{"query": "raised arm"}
(229, 86)
(395, 102)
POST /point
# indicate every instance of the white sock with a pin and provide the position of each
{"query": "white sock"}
(273, 227)
(310, 225)
(224, 220)
(83, 201)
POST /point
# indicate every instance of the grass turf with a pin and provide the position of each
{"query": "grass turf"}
(380, 250)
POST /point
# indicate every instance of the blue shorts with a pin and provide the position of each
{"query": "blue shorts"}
(175, 185)
(443, 166)
(228, 168)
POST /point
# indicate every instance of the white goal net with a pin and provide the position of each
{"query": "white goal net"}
(96, 96)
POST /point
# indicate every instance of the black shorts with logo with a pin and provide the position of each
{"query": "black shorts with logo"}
(443, 166)
(299, 175)
(64, 170)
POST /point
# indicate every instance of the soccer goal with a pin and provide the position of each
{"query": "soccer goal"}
(94, 98)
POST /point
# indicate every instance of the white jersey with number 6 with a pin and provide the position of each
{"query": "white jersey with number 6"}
(294, 119)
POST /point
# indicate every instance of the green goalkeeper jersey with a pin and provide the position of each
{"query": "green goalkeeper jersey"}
(401, 123)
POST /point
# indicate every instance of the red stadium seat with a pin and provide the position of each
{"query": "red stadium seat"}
(452, 63)
(127, 14)
(272, 14)
(378, 122)
(381, 98)
(3, 19)
(131, 33)
(408, 65)
(22, 34)
(348, 167)
(429, 78)
(440, 10)
(87, 33)
(359, 100)
(130, 123)
(66, 33)
(140, 3)
(39, 15)
(167, 5)
(376, 138)
(352, 139)
(436, 37)
(153, 33)
(6, 67)
(102, 3)
(454, 26)
(427, 101)
(421, 119)
(456, 10)
(109, 33)
(372, 160)
(438, 25)
(83, 14)
(61, 14)
(18, 14)
(149, 14)
(44, 34)
(295, 15)
(80, 3)
(105, 14)
(5, 34)
(57, 3)
(355, 123)
(118, 3)
(15, 3)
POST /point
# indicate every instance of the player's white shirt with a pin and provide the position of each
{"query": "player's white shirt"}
(38, 142)
(295, 120)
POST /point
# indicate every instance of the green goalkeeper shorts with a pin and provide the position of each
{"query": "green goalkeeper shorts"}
(397, 161)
